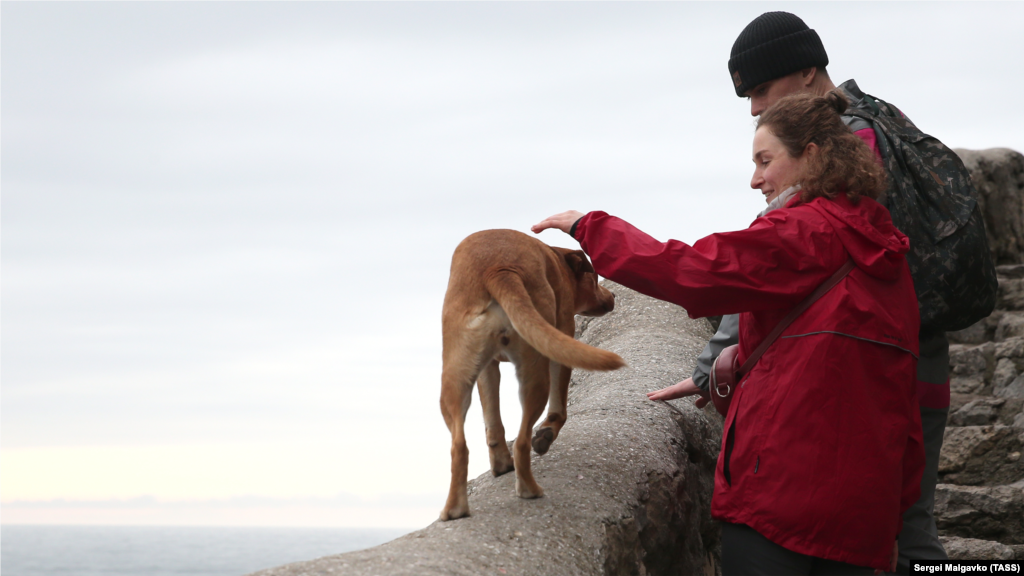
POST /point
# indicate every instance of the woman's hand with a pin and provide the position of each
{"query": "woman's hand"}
(680, 390)
(563, 222)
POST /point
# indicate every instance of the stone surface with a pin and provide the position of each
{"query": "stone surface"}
(1012, 348)
(1007, 380)
(970, 367)
(1011, 294)
(969, 360)
(966, 384)
(980, 412)
(970, 409)
(1005, 373)
(1010, 270)
(978, 333)
(628, 482)
(1013, 389)
(989, 512)
(981, 455)
(1010, 325)
(998, 174)
(972, 549)
(980, 507)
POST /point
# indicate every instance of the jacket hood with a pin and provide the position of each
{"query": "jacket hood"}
(867, 232)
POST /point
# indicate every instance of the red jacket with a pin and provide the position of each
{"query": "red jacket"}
(823, 445)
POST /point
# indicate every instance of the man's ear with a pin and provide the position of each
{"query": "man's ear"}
(578, 262)
(807, 76)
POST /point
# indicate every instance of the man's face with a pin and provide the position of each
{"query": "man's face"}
(764, 95)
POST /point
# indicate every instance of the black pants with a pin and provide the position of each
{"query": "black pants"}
(747, 553)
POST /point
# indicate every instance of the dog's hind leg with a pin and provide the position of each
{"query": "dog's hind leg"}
(488, 386)
(456, 395)
(557, 409)
(532, 372)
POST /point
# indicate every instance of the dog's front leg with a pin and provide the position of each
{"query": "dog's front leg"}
(488, 385)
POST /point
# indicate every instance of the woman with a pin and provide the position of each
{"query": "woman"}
(822, 451)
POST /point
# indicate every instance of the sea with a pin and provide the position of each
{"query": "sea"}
(171, 551)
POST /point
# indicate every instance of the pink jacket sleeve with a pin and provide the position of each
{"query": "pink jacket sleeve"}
(773, 264)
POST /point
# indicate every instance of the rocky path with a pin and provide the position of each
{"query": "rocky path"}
(979, 503)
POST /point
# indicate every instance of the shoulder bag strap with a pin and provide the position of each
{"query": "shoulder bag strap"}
(794, 313)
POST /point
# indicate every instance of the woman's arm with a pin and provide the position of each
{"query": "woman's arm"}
(773, 264)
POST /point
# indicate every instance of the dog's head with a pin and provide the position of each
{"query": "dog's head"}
(591, 299)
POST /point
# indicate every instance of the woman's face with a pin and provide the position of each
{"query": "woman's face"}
(774, 169)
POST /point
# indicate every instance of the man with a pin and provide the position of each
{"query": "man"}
(774, 56)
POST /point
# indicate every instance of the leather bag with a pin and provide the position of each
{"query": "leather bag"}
(726, 372)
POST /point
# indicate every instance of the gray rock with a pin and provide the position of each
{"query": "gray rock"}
(969, 361)
(981, 455)
(966, 384)
(1007, 381)
(980, 412)
(969, 367)
(973, 549)
(998, 174)
(977, 333)
(980, 332)
(1012, 348)
(968, 409)
(628, 482)
(1011, 294)
(1010, 325)
(989, 512)
(1014, 389)
(1010, 271)
(1005, 373)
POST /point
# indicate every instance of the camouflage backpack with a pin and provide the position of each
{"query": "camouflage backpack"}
(933, 201)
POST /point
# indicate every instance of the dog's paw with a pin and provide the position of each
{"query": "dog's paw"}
(500, 468)
(542, 440)
(523, 490)
(501, 459)
(454, 513)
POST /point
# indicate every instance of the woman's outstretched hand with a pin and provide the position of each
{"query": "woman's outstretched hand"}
(563, 222)
(679, 390)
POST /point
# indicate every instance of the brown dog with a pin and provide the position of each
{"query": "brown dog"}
(511, 297)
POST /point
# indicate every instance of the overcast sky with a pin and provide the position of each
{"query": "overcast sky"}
(226, 228)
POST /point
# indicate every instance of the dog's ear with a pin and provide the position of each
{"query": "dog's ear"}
(578, 262)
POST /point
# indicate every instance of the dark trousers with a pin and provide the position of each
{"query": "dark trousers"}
(747, 553)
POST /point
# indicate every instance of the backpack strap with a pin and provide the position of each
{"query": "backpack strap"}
(872, 104)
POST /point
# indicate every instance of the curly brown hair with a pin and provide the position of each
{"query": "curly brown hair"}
(844, 163)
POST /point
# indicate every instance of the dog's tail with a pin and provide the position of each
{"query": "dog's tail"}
(507, 288)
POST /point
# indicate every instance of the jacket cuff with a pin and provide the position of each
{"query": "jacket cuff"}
(701, 378)
(572, 231)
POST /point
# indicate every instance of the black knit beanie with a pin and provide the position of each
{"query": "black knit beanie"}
(773, 45)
